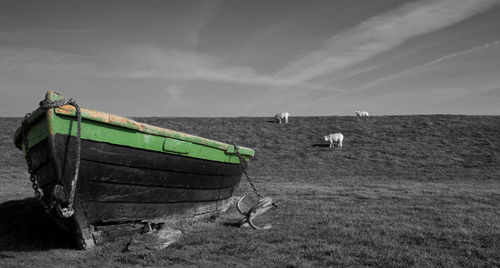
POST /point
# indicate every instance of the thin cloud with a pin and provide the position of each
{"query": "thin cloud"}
(371, 37)
(379, 34)
(18, 61)
(48, 30)
(171, 64)
(489, 45)
(197, 20)
(378, 82)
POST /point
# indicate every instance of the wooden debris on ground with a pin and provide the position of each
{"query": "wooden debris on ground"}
(153, 239)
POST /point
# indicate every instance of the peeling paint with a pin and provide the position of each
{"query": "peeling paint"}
(89, 116)
(145, 128)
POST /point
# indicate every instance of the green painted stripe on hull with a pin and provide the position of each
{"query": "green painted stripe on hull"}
(101, 132)
(138, 158)
(38, 132)
(123, 122)
(102, 127)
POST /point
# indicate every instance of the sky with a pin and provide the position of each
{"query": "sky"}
(254, 57)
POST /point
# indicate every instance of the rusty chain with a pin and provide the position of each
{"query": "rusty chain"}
(244, 166)
(27, 155)
(49, 104)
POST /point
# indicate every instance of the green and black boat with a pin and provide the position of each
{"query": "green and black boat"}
(117, 172)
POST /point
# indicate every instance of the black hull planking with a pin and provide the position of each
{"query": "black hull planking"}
(118, 184)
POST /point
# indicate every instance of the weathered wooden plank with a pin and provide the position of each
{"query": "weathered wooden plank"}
(84, 231)
(95, 171)
(101, 212)
(112, 192)
(110, 233)
(46, 174)
(40, 154)
(133, 157)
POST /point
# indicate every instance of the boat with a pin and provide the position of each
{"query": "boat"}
(100, 176)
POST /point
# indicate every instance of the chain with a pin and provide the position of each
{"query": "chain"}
(27, 150)
(49, 104)
(244, 166)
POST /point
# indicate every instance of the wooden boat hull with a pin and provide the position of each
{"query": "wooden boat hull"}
(120, 185)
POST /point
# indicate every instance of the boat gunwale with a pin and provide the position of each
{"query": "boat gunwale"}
(128, 123)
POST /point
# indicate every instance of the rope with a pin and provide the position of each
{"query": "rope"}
(50, 104)
(244, 166)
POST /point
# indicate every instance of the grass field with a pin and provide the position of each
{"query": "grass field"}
(403, 191)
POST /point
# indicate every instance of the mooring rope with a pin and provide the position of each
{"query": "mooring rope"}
(50, 104)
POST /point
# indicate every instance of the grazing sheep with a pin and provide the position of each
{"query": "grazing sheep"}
(281, 116)
(362, 113)
(336, 137)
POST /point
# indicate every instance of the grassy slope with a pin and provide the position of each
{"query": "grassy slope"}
(404, 190)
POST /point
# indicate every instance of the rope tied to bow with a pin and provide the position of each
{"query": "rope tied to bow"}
(51, 104)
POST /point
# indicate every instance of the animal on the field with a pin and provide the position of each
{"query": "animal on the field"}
(362, 113)
(279, 117)
(335, 138)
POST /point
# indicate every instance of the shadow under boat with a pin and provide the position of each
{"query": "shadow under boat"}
(24, 226)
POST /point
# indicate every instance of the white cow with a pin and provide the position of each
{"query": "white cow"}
(281, 116)
(336, 137)
(362, 113)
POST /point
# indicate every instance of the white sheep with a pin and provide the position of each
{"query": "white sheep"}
(362, 113)
(281, 116)
(336, 137)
